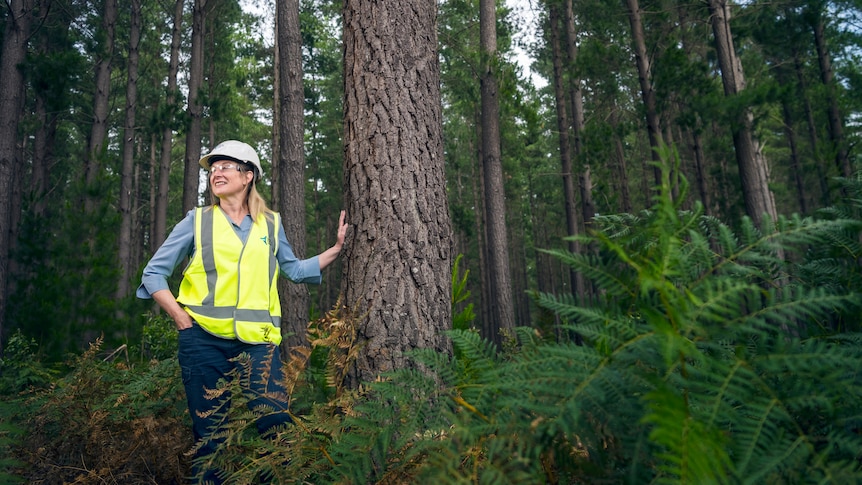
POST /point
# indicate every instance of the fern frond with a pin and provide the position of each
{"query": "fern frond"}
(698, 333)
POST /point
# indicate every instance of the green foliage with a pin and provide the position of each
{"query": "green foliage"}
(20, 368)
(717, 351)
(160, 337)
(709, 355)
(11, 436)
(462, 309)
(704, 361)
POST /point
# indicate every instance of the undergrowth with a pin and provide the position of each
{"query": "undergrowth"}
(104, 422)
(709, 355)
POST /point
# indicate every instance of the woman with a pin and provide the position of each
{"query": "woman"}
(228, 300)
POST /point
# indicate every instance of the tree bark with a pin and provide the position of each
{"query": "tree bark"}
(701, 172)
(813, 139)
(43, 142)
(836, 125)
(397, 266)
(15, 38)
(161, 207)
(753, 171)
(622, 169)
(128, 167)
(489, 326)
(645, 78)
(96, 144)
(289, 163)
(585, 182)
(795, 162)
(500, 276)
(575, 279)
(191, 180)
(46, 113)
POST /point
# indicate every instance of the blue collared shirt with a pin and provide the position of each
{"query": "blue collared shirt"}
(180, 244)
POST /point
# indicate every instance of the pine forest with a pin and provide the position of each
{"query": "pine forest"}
(588, 242)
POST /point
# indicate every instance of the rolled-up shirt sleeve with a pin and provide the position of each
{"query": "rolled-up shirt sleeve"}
(178, 246)
(296, 270)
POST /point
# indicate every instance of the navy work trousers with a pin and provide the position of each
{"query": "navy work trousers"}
(204, 359)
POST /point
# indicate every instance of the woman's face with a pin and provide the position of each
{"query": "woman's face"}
(229, 178)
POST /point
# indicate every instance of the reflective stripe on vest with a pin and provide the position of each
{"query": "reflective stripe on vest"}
(221, 287)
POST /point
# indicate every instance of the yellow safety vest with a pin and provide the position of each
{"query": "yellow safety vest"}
(229, 287)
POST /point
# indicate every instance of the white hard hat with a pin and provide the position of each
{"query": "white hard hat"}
(234, 150)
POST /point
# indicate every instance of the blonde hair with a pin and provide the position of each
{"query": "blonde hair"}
(256, 205)
(255, 202)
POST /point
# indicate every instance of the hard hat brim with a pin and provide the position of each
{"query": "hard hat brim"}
(206, 161)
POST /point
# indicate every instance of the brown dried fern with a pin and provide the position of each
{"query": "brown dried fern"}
(338, 331)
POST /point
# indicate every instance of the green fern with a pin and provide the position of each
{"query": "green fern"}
(709, 355)
(702, 329)
(462, 310)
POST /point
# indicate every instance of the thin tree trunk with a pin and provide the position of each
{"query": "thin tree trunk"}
(836, 125)
(161, 207)
(191, 180)
(753, 171)
(502, 304)
(625, 194)
(790, 133)
(813, 139)
(139, 227)
(645, 78)
(43, 144)
(795, 166)
(585, 182)
(46, 116)
(694, 48)
(151, 175)
(488, 325)
(290, 164)
(519, 261)
(701, 172)
(575, 279)
(398, 263)
(128, 167)
(15, 38)
(99, 130)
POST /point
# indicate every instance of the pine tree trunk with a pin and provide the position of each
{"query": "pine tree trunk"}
(585, 182)
(813, 139)
(645, 78)
(289, 162)
(46, 117)
(15, 38)
(99, 129)
(191, 180)
(622, 169)
(701, 174)
(502, 304)
(795, 165)
(790, 133)
(128, 167)
(43, 152)
(520, 278)
(753, 171)
(161, 207)
(575, 279)
(397, 266)
(488, 328)
(836, 126)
